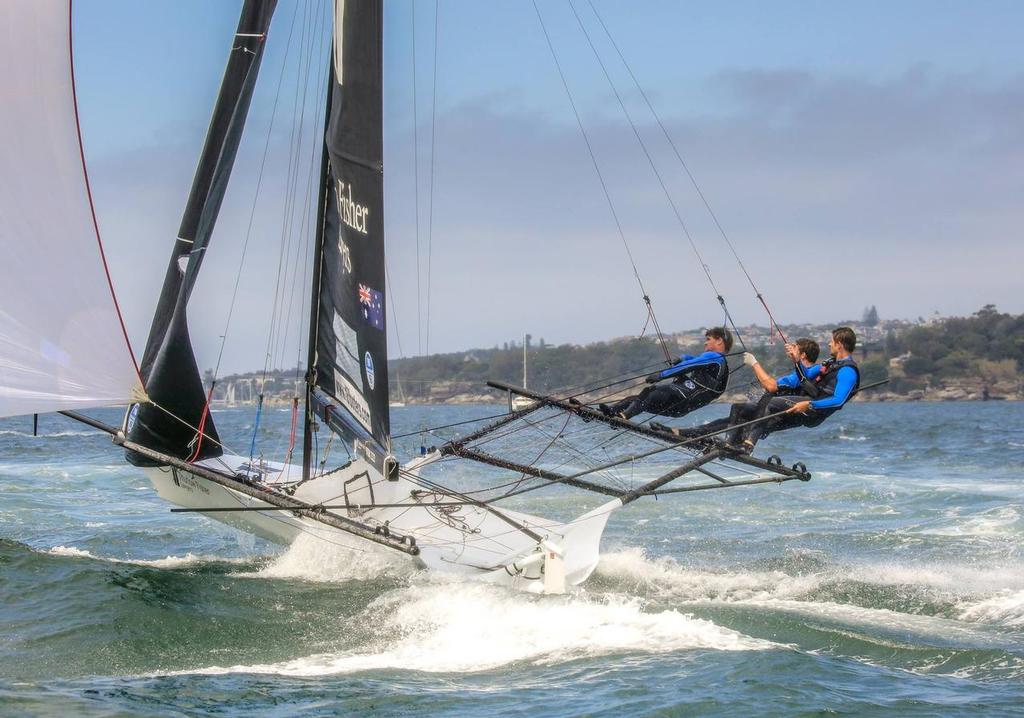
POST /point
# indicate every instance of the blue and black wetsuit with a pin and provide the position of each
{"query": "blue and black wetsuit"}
(794, 384)
(696, 382)
(799, 381)
(829, 389)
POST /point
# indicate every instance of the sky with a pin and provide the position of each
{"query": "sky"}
(859, 154)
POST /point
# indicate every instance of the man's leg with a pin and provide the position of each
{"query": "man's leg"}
(774, 408)
(667, 400)
(738, 414)
(631, 405)
(742, 413)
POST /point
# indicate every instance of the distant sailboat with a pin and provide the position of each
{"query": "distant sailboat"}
(65, 348)
(518, 401)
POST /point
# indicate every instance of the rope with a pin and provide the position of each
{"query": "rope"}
(291, 437)
(92, 207)
(650, 160)
(416, 183)
(433, 168)
(693, 181)
(256, 427)
(600, 177)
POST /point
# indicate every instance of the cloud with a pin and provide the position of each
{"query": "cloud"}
(837, 191)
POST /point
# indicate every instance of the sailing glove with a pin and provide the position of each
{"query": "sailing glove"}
(653, 378)
(749, 359)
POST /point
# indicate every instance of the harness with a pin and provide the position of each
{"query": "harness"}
(826, 380)
(825, 385)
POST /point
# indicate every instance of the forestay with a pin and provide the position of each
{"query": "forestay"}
(61, 341)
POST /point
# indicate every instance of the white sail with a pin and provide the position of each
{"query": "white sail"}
(61, 342)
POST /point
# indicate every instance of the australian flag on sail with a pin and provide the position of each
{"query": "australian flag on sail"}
(371, 302)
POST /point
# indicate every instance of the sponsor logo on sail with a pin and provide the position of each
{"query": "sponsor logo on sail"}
(346, 256)
(352, 213)
(352, 399)
(368, 365)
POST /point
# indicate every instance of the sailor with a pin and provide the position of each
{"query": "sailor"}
(819, 398)
(799, 382)
(696, 382)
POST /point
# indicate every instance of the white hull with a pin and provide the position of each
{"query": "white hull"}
(468, 540)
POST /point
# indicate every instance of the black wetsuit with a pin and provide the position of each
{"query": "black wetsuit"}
(697, 381)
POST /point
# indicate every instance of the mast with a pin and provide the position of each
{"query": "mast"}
(179, 403)
(318, 246)
(524, 361)
(348, 380)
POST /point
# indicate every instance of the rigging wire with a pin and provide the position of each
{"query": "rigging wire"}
(283, 319)
(433, 171)
(286, 214)
(604, 187)
(311, 40)
(654, 168)
(306, 216)
(306, 230)
(579, 390)
(416, 183)
(693, 180)
(200, 435)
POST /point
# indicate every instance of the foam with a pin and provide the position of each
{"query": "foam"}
(970, 586)
(460, 627)
(700, 584)
(1003, 522)
(1004, 609)
(310, 558)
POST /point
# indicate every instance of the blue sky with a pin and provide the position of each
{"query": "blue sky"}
(866, 154)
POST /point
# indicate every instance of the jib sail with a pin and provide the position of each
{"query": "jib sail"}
(179, 407)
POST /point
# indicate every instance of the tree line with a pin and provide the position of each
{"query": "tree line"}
(987, 345)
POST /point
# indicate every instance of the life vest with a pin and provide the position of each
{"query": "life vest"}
(806, 387)
(825, 384)
(826, 379)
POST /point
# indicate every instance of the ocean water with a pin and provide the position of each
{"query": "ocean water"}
(890, 584)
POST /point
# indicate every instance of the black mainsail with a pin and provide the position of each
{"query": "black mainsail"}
(348, 332)
(171, 423)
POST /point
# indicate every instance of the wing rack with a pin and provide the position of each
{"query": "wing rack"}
(575, 450)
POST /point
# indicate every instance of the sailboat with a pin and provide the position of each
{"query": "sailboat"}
(518, 401)
(65, 346)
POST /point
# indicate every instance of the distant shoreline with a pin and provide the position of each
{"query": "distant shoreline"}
(937, 397)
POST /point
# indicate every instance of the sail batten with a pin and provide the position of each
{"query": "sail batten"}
(349, 361)
(62, 344)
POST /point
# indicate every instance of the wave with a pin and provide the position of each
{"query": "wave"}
(457, 627)
(1005, 609)
(1003, 522)
(951, 584)
(189, 559)
(56, 434)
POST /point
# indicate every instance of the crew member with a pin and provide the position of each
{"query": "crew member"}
(820, 397)
(696, 382)
(799, 382)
